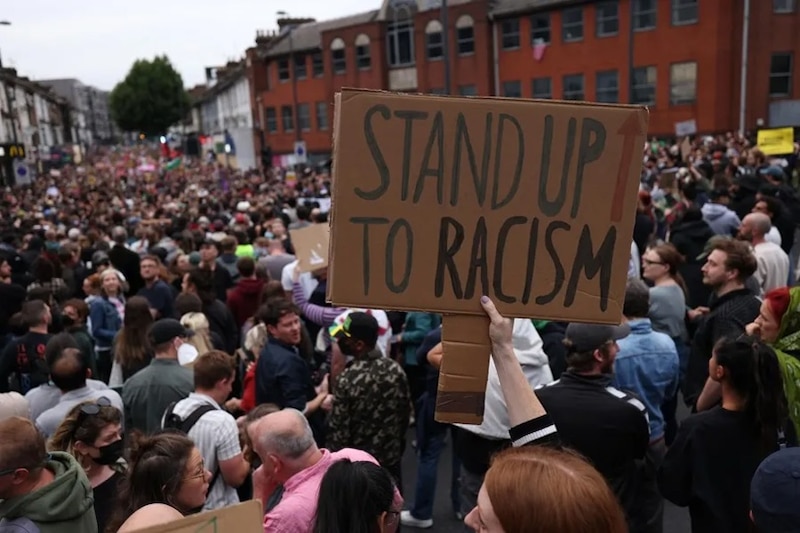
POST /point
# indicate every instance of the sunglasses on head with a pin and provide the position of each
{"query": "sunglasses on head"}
(92, 409)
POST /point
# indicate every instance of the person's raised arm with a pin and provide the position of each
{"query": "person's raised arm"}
(521, 401)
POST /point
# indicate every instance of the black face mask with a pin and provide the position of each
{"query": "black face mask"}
(110, 453)
(67, 321)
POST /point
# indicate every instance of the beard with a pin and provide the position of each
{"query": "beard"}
(346, 348)
(607, 367)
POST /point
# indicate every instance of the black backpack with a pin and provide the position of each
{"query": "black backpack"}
(173, 421)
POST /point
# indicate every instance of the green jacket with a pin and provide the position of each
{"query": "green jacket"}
(64, 505)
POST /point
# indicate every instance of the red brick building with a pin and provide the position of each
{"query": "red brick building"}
(682, 58)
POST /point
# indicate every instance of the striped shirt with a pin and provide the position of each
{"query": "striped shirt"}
(217, 437)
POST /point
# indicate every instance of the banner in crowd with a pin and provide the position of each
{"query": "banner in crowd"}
(687, 127)
(438, 201)
(777, 141)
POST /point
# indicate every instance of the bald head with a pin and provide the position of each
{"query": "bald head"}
(69, 370)
(285, 434)
(759, 223)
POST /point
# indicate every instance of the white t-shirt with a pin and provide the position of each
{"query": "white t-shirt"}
(307, 281)
(773, 266)
(773, 236)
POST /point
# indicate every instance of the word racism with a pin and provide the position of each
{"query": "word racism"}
(451, 204)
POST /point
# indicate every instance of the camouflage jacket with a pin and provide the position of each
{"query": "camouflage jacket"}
(372, 408)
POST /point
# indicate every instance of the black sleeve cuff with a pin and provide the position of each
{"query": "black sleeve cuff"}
(538, 431)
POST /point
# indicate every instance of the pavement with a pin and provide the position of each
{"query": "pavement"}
(676, 519)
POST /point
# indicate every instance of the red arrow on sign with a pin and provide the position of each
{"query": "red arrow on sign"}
(630, 130)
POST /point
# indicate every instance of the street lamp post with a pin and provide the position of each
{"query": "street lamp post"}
(293, 74)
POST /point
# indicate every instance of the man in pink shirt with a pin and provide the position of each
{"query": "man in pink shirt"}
(291, 459)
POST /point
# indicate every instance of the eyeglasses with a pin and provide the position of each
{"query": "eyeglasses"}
(649, 262)
(92, 409)
(200, 471)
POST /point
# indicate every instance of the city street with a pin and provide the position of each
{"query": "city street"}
(676, 519)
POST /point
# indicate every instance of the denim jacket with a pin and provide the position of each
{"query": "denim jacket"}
(105, 321)
(647, 366)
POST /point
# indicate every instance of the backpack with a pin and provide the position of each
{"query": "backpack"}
(173, 421)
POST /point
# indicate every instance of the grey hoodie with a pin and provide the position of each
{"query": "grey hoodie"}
(65, 505)
(720, 219)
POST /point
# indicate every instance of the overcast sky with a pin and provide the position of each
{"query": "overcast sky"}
(96, 41)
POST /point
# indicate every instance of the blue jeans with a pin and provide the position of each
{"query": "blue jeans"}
(430, 443)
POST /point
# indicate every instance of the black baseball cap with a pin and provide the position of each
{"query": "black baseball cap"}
(357, 325)
(166, 329)
(590, 337)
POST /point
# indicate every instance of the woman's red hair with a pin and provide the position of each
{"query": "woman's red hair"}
(778, 300)
(536, 489)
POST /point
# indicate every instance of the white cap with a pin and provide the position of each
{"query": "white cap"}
(243, 206)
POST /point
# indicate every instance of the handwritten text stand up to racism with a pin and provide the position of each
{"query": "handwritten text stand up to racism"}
(438, 201)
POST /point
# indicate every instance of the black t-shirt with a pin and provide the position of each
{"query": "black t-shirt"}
(24, 359)
(105, 500)
(709, 467)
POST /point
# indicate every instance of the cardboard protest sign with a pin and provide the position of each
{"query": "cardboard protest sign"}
(242, 518)
(437, 201)
(777, 141)
(311, 246)
(686, 149)
(666, 180)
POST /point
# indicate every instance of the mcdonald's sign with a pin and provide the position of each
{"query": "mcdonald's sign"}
(12, 151)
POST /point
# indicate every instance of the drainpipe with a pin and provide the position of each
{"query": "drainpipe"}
(495, 56)
(443, 18)
(743, 73)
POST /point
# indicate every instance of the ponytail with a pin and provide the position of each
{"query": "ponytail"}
(752, 370)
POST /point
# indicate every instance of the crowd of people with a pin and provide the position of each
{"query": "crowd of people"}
(162, 353)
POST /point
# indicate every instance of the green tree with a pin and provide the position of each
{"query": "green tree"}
(151, 98)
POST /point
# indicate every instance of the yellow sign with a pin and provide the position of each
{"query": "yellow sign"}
(12, 151)
(778, 141)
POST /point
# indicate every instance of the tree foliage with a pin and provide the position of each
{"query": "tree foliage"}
(151, 98)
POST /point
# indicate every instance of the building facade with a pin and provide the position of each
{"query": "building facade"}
(225, 117)
(36, 122)
(93, 119)
(681, 58)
